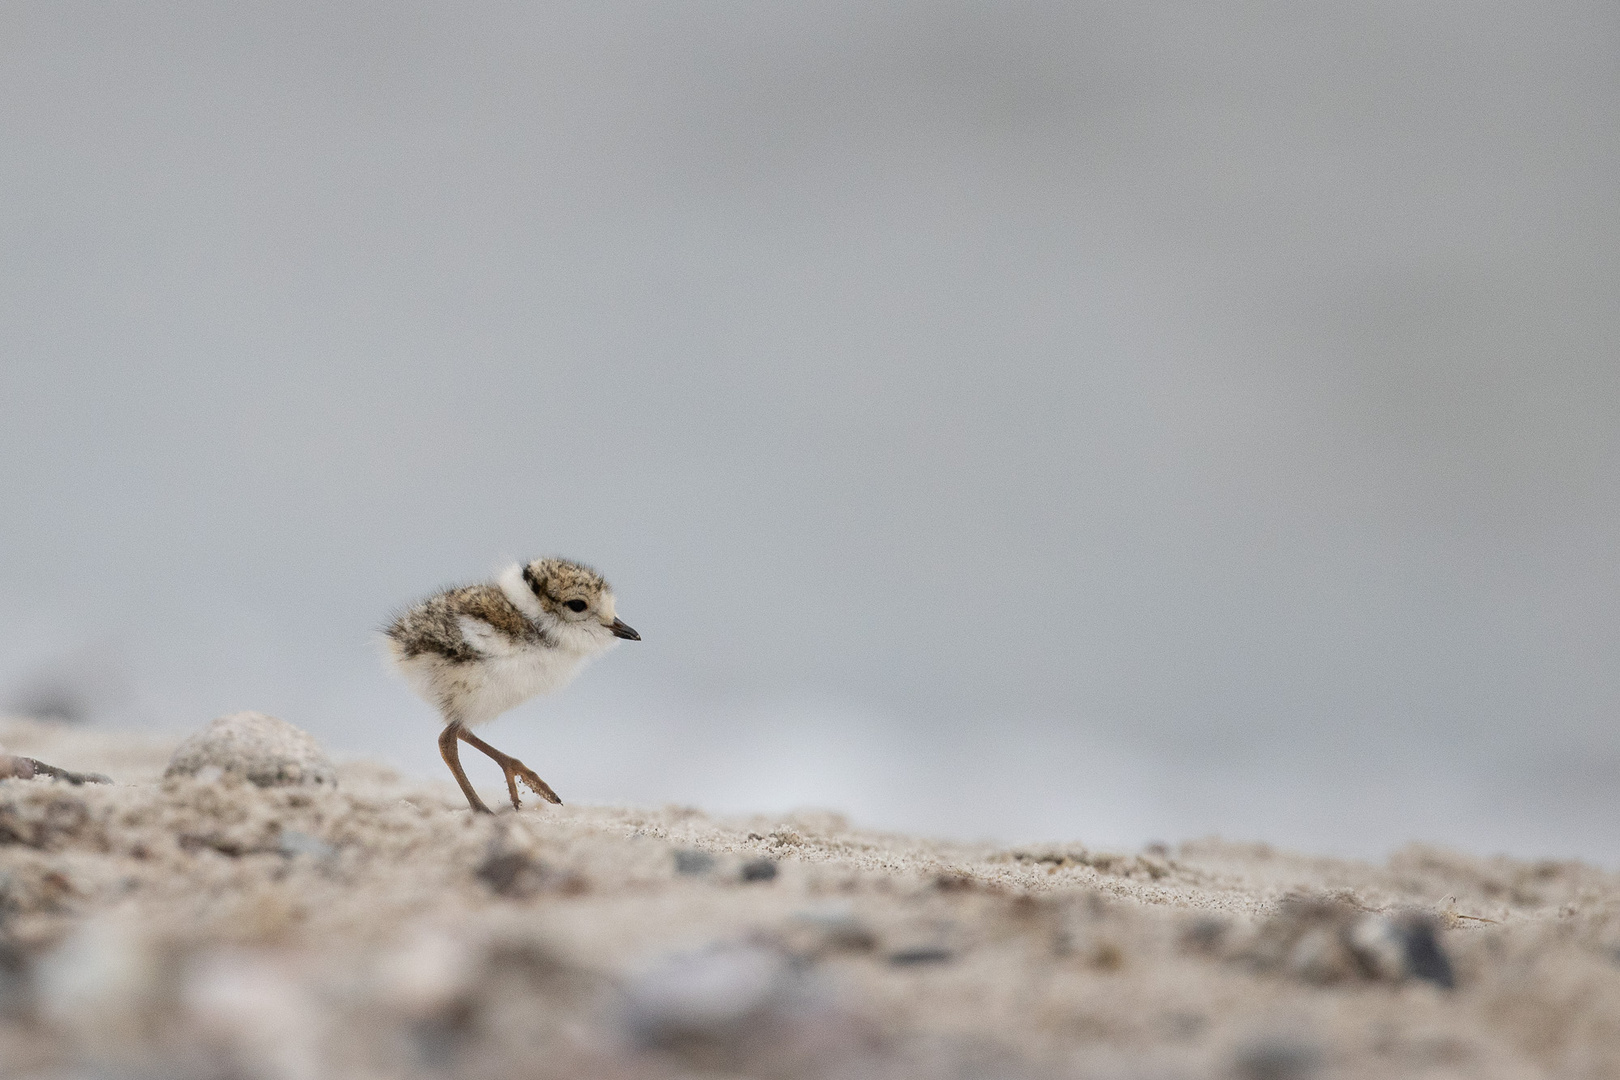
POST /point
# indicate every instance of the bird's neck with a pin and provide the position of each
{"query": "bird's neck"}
(522, 597)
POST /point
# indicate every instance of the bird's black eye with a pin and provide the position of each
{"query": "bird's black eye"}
(576, 605)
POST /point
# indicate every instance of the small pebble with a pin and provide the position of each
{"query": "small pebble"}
(761, 869)
(26, 768)
(1203, 934)
(715, 993)
(1326, 940)
(919, 956)
(692, 861)
(511, 873)
(1401, 947)
(1277, 1060)
(16, 990)
(1425, 959)
(836, 928)
(517, 874)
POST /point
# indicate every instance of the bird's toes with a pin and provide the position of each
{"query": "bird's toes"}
(539, 786)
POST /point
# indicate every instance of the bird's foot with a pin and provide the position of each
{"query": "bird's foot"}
(515, 770)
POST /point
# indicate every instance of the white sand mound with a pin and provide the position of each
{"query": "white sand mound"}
(205, 926)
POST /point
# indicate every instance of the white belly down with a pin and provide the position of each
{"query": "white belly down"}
(480, 691)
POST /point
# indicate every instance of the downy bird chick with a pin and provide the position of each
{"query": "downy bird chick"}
(476, 651)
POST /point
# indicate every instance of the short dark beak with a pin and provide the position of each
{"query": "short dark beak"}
(620, 629)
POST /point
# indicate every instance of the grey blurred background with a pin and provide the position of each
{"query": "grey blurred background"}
(1104, 421)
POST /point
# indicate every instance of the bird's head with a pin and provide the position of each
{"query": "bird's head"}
(577, 605)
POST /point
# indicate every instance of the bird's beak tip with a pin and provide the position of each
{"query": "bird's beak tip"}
(621, 629)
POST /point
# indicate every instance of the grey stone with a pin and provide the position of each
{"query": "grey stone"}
(761, 869)
(1277, 1059)
(260, 748)
(1203, 934)
(833, 929)
(717, 1006)
(512, 873)
(1326, 940)
(26, 768)
(693, 861)
(16, 987)
(1425, 957)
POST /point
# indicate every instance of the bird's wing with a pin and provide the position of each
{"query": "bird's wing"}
(483, 638)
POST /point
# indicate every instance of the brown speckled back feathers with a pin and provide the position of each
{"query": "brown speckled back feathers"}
(433, 626)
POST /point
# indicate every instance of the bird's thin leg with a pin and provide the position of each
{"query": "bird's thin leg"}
(452, 757)
(514, 769)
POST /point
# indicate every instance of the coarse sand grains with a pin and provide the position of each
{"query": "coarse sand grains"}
(353, 923)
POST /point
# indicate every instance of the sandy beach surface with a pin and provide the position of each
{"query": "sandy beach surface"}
(343, 921)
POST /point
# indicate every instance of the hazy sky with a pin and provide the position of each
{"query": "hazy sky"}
(1103, 421)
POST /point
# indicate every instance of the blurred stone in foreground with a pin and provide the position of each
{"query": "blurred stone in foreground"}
(1327, 940)
(738, 1007)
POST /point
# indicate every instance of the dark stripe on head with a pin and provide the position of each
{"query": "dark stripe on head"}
(534, 582)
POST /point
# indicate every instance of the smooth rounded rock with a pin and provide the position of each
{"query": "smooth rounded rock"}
(268, 751)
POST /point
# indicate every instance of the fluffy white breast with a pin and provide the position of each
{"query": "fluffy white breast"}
(508, 675)
(516, 677)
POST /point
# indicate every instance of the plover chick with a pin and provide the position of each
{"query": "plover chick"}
(476, 651)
